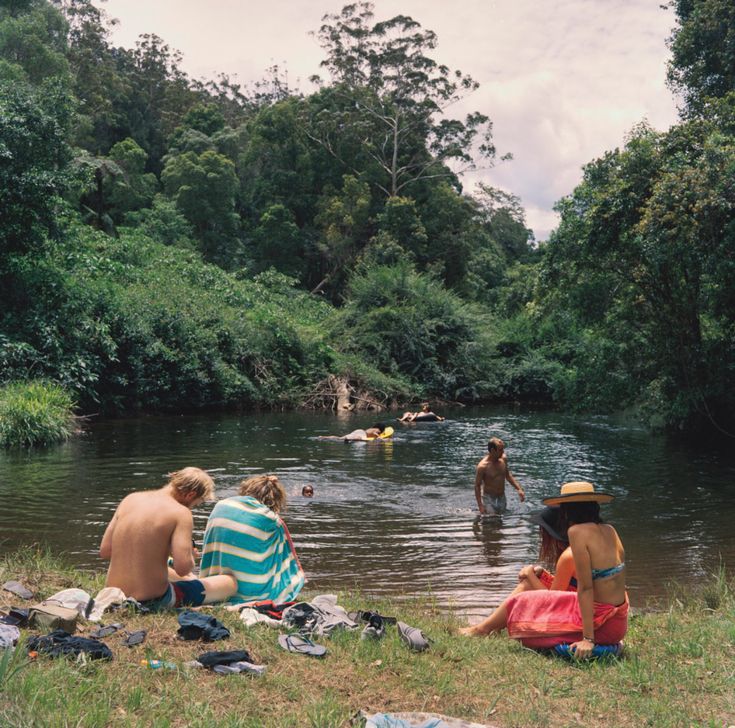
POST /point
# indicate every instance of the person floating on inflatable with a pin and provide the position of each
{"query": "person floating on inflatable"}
(425, 415)
(377, 432)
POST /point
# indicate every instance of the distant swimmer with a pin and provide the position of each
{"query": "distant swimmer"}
(490, 476)
(377, 432)
(425, 415)
(308, 491)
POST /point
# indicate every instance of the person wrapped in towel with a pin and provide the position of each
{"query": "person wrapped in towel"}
(245, 537)
(598, 613)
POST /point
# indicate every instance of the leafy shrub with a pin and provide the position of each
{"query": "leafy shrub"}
(35, 413)
(131, 324)
(409, 326)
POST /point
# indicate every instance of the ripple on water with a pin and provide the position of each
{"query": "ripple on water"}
(394, 518)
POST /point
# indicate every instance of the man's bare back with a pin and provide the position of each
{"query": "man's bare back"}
(146, 529)
(150, 526)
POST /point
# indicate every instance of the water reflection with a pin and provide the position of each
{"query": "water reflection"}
(393, 517)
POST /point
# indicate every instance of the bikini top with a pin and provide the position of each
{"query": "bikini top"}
(604, 573)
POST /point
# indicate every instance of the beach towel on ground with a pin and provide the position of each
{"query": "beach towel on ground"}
(416, 720)
(542, 619)
(248, 540)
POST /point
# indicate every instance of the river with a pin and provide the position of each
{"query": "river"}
(395, 517)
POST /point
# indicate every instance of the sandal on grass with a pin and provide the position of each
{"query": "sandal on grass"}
(105, 631)
(413, 637)
(135, 638)
(15, 587)
(300, 644)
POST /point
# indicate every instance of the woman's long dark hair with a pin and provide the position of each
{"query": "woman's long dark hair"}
(571, 513)
(551, 549)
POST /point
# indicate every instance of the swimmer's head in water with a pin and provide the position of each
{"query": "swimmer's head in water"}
(379, 426)
(307, 491)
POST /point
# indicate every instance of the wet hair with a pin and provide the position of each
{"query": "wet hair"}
(267, 489)
(585, 512)
(192, 480)
(425, 406)
(378, 426)
(495, 443)
(307, 490)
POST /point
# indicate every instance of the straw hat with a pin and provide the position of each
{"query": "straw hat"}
(579, 491)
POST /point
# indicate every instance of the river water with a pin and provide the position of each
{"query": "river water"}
(394, 517)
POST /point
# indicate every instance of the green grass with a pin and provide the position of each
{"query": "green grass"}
(678, 670)
(35, 413)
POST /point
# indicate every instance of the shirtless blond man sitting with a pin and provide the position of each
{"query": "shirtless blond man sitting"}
(490, 476)
(149, 527)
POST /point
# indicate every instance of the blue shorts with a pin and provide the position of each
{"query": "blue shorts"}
(185, 593)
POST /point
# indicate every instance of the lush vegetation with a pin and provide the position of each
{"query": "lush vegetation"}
(677, 671)
(168, 243)
(35, 413)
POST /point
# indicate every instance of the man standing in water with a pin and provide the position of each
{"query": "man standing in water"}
(147, 528)
(490, 476)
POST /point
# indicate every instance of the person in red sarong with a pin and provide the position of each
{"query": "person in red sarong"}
(598, 612)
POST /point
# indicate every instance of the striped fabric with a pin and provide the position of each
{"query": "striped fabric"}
(248, 540)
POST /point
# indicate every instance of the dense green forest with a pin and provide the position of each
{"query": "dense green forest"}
(168, 243)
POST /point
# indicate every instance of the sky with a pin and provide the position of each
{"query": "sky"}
(563, 81)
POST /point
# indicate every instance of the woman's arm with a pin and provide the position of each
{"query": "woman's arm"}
(528, 573)
(585, 593)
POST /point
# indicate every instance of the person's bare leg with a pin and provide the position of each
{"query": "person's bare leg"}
(499, 618)
(494, 623)
(218, 588)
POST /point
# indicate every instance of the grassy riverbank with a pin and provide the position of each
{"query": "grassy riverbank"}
(678, 671)
(35, 413)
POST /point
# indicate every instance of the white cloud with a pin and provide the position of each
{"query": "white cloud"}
(562, 81)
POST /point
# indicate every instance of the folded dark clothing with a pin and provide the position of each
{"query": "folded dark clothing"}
(135, 606)
(196, 626)
(22, 614)
(367, 616)
(210, 659)
(61, 644)
(303, 617)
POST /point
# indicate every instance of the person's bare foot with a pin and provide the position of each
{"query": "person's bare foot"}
(467, 632)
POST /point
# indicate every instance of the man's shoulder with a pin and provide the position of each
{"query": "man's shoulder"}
(154, 500)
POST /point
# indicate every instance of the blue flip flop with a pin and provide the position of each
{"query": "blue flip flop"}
(301, 645)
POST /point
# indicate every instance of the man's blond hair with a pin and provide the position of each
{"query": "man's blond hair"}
(192, 480)
(267, 489)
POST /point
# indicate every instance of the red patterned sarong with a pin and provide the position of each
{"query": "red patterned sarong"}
(542, 619)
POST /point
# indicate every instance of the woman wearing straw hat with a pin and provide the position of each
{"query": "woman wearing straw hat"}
(554, 552)
(598, 612)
